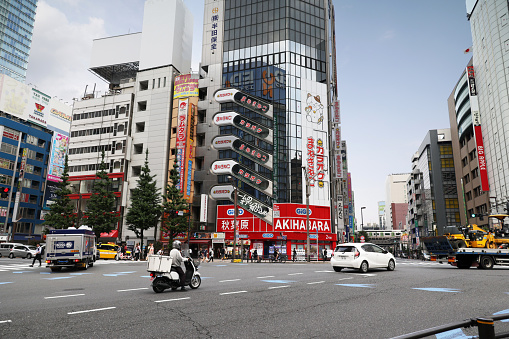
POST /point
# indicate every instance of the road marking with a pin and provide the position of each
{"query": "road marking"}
(268, 276)
(345, 278)
(279, 281)
(294, 273)
(229, 280)
(226, 293)
(502, 312)
(176, 299)
(316, 282)
(94, 310)
(324, 271)
(433, 289)
(6, 282)
(64, 296)
(57, 278)
(357, 285)
(133, 289)
(5, 321)
(273, 287)
(79, 273)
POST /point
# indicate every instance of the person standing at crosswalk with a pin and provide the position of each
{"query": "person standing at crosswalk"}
(37, 255)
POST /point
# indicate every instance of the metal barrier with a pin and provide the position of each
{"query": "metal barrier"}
(485, 326)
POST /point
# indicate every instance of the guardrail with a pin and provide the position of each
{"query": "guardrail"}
(485, 326)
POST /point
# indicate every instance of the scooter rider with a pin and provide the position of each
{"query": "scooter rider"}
(177, 261)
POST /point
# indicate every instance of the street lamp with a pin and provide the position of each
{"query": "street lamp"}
(308, 193)
(362, 219)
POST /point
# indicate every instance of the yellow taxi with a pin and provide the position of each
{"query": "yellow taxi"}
(110, 251)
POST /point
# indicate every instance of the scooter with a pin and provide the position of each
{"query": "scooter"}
(164, 278)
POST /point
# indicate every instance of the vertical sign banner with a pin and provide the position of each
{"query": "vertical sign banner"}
(59, 146)
(476, 121)
(181, 138)
(337, 138)
(20, 184)
(204, 207)
(189, 152)
(336, 114)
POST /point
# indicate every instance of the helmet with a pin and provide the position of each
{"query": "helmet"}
(176, 244)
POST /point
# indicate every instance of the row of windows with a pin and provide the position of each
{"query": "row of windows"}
(11, 149)
(84, 168)
(92, 131)
(104, 113)
(91, 149)
(144, 85)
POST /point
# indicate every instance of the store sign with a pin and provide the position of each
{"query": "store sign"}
(223, 142)
(204, 203)
(248, 101)
(337, 138)
(223, 96)
(253, 153)
(253, 128)
(222, 167)
(254, 206)
(221, 192)
(336, 117)
(224, 118)
(252, 178)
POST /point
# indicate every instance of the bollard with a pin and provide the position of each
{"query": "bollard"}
(486, 328)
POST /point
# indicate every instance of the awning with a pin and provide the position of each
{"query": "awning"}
(111, 234)
(200, 241)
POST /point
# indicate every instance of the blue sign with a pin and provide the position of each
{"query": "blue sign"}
(312, 236)
(267, 235)
(302, 211)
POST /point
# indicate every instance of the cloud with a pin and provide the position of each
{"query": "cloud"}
(387, 35)
(60, 53)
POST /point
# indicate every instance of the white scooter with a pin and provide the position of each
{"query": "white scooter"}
(163, 277)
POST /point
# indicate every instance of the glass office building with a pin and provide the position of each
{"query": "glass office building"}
(283, 52)
(16, 27)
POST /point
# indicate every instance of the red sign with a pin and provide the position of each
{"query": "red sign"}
(481, 157)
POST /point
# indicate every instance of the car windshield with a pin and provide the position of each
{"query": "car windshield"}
(344, 249)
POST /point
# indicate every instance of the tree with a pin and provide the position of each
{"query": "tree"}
(145, 209)
(173, 202)
(61, 214)
(359, 234)
(101, 214)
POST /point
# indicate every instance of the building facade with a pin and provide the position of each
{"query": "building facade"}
(396, 200)
(490, 31)
(16, 24)
(472, 199)
(284, 54)
(432, 192)
(135, 114)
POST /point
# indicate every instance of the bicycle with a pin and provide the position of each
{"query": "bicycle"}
(281, 258)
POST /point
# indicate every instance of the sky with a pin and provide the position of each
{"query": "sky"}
(397, 60)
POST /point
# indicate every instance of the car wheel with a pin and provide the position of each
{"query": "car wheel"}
(391, 266)
(195, 282)
(486, 262)
(364, 267)
(11, 255)
(337, 269)
(29, 256)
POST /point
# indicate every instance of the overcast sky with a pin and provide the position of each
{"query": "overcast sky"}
(398, 61)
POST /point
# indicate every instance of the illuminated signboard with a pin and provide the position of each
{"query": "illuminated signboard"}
(222, 167)
(248, 101)
(223, 142)
(253, 206)
(246, 125)
(250, 177)
(221, 192)
(252, 153)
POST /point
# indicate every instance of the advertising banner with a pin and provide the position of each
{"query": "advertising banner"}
(38, 111)
(336, 138)
(336, 117)
(189, 154)
(186, 86)
(50, 192)
(59, 117)
(204, 203)
(59, 146)
(22, 168)
(183, 105)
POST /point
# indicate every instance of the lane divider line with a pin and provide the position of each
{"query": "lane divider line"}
(274, 287)
(133, 289)
(229, 280)
(226, 293)
(176, 299)
(5, 321)
(65, 296)
(316, 282)
(94, 310)
(294, 273)
(268, 276)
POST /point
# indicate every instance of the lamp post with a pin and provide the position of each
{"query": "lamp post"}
(235, 213)
(308, 193)
(362, 219)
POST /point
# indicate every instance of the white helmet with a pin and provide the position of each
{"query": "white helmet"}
(176, 244)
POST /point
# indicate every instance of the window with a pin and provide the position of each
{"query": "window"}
(200, 140)
(138, 149)
(144, 85)
(136, 171)
(142, 106)
(140, 127)
(199, 163)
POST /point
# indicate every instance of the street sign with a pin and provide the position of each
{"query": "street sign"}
(362, 238)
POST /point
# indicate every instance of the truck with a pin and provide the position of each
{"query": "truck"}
(74, 248)
(441, 250)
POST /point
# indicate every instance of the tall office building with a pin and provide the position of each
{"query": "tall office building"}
(472, 199)
(432, 192)
(488, 76)
(282, 52)
(16, 27)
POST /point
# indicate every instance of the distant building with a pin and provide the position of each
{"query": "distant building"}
(490, 30)
(17, 24)
(396, 201)
(472, 199)
(432, 192)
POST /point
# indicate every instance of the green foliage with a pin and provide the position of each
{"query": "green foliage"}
(145, 209)
(101, 212)
(174, 201)
(61, 214)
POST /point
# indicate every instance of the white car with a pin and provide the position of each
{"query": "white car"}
(361, 256)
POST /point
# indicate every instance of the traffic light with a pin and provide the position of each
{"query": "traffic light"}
(473, 215)
(5, 192)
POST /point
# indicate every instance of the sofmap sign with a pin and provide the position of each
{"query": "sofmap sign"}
(222, 167)
(221, 192)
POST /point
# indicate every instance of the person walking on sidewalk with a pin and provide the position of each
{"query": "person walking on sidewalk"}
(294, 254)
(37, 255)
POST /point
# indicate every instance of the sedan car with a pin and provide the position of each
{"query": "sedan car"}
(111, 251)
(23, 251)
(361, 256)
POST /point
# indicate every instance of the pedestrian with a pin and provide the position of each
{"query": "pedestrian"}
(137, 251)
(222, 253)
(145, 251)
(211, 255)
(294, 254)
(151, 249)
(255, 255)
(324, 254)
(38, 253)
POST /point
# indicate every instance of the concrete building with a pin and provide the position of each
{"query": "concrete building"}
(396, 201)
(490, 32)
(16, 24)
(472, 199)
(283, 53)
(136, 113)
(432, 192)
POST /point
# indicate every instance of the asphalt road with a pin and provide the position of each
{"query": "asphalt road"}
(306, 300)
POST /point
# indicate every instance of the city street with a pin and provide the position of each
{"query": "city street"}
(253, 300)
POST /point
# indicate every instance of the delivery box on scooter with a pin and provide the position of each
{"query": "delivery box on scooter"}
(159, 263)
